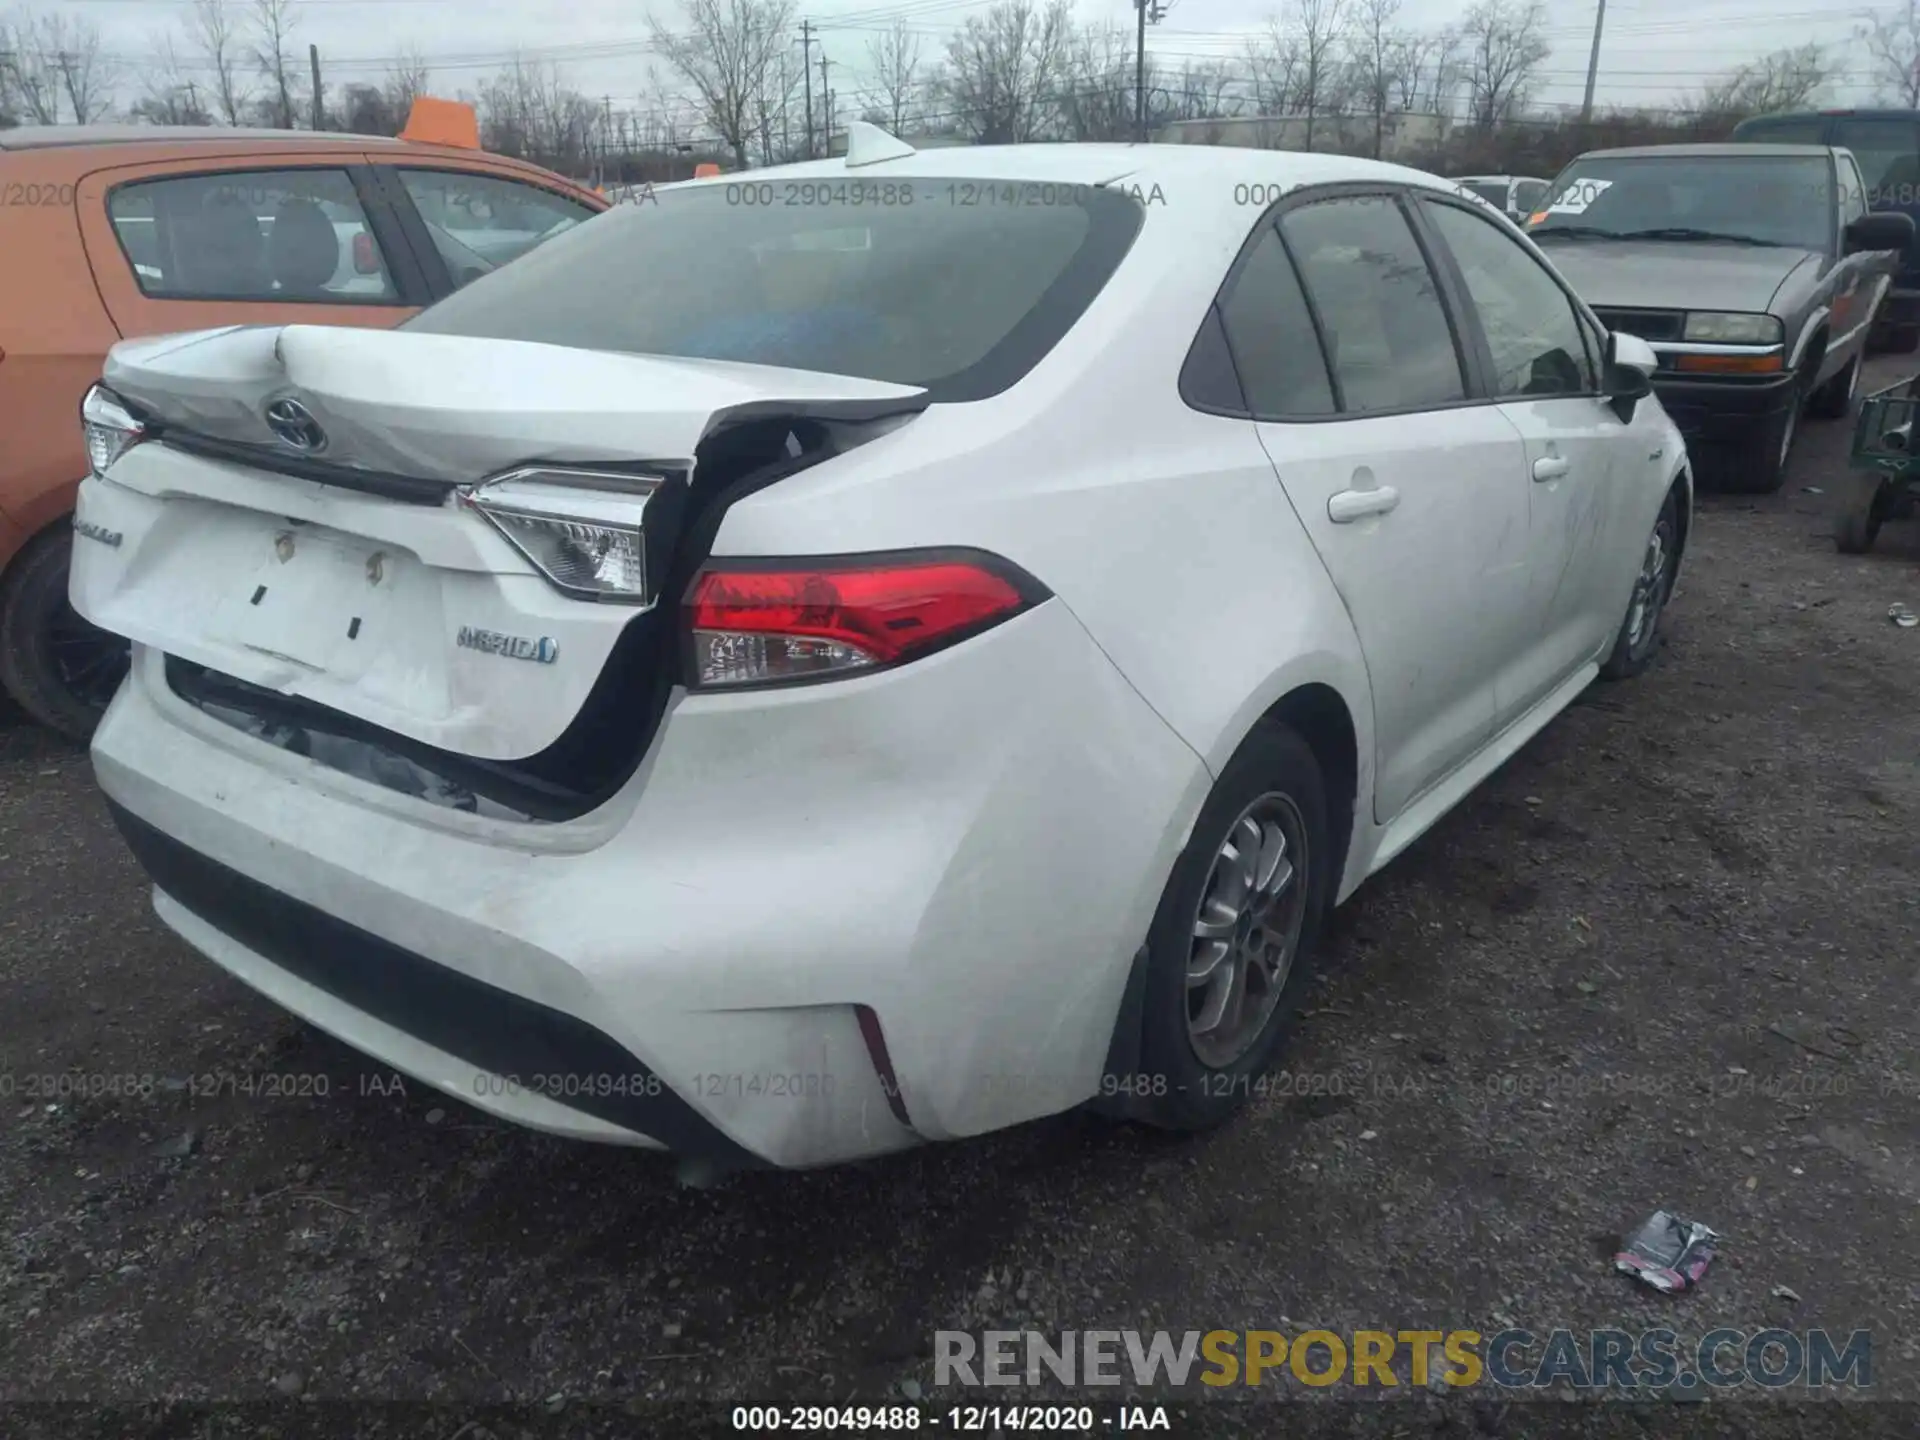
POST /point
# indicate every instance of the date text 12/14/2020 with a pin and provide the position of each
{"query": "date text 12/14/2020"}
(957, 1419)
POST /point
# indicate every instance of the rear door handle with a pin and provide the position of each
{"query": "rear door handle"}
(1351, 505)
(1549, 467)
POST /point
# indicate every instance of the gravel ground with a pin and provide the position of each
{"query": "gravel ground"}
(1666, 957)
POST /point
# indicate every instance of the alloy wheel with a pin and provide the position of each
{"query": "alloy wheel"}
(1246, 931)
(1650, 587)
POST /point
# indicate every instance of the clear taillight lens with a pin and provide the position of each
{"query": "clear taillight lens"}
(764, 623)
(110, 430)
(581, 528)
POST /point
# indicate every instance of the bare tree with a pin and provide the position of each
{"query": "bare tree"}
(216, 29)
(29, 76)
(1273, 68)
(1319, 25)
(529, 111)
(1893, 42)
(894, 58)
(52, 66)
(1505, 43)
(273, 22)
(1096, 100)
(86, 74)
(1784, 80)
(170, 98)
(1379, 52)
(1448, 67)
(406, 82)
(729, 58)
(1003, 68)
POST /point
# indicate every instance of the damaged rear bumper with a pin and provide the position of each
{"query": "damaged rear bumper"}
(687, 967)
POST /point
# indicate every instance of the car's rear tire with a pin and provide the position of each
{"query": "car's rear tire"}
(60, 670)
(1638, 639)
(1246, 898)
(1834, 400)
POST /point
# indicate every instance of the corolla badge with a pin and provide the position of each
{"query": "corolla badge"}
(293, 424)
(543, 651)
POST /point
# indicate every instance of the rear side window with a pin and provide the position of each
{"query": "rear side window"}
(1379, 305)
(1270, 332)
(261, 235)
(936, 284)
(1494, 192)
(480, 222)
(1809, 130)
(1881, 147)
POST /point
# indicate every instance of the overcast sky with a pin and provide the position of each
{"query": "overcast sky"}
(1652, 51)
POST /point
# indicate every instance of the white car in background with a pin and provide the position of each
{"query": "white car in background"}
(784, 683)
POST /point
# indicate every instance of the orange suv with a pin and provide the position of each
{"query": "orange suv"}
(120, 231)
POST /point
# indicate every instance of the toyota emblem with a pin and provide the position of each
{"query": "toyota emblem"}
(295, 427)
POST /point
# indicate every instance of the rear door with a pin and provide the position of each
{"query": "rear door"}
(189, 245)
(466, 220)
(1409, 484)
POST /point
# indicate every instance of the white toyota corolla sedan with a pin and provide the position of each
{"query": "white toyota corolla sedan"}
(870, 652)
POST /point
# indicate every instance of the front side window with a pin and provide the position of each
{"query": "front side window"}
(480, 222)
(1379, 306)
(259, 235)
(1530, 324)
(911, 281)
(1764, 200)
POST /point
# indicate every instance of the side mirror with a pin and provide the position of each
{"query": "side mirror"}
(1882, 230)
(1630, 363)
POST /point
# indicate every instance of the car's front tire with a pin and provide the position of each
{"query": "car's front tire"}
(59, 669)
(1232, 940)
(1638, 639)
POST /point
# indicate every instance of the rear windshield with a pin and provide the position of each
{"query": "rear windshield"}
(1766, 200)
(957, 286)
(1494, 192)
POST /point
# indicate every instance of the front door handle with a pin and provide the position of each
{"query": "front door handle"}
(1351, 505)
(1549, 467)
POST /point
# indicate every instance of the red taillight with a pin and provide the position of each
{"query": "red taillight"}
(366, 260)
(758, 622)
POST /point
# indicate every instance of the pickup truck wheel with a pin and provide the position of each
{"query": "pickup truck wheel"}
(1834, 400)
(59, 669)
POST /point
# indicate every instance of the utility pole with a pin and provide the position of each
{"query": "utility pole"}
(806, 73)
(193, 101)
(826, 103)
(1593, 63)
(606, 135)
(319, 106)
(1151, 13)
(786, 111)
